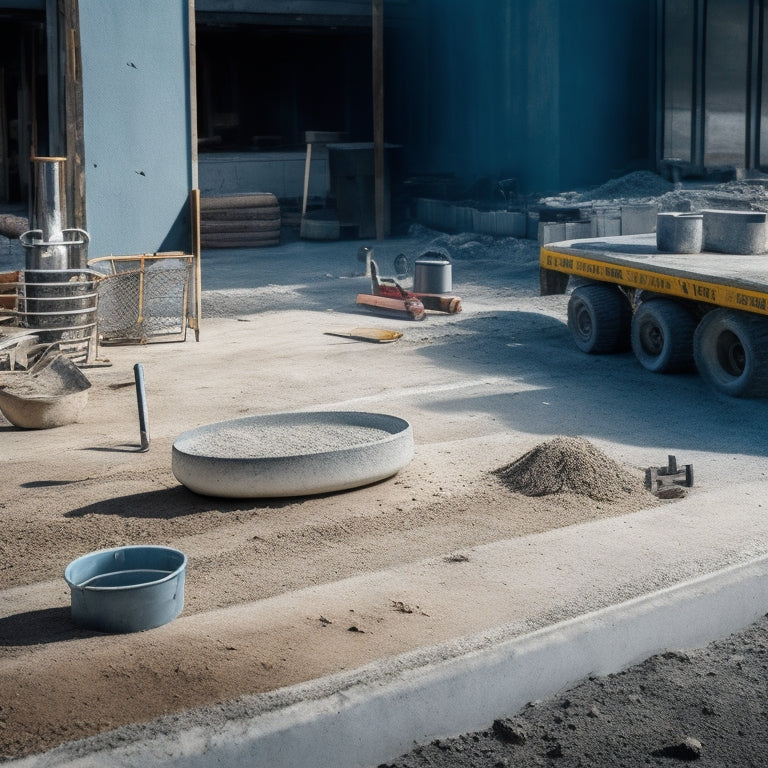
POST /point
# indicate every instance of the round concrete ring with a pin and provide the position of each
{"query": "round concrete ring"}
(292, 454)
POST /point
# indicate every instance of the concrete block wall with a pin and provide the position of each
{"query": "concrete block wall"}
(450, 217)
(606, 222)
(602, 221)
(638, 219)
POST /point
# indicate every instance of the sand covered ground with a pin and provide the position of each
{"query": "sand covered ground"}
(481, 389)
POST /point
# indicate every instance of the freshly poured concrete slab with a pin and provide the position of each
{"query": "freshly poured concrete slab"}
(292, 454)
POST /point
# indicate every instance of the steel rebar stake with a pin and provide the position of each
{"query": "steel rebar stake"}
(141, 397)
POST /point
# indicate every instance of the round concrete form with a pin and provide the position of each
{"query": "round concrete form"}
(737, 232)
(679, 232)
(127, 589)
(292, 454)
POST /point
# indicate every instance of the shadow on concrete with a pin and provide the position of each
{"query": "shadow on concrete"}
(167, 504)
(47, 625)
(559, 385)
(170, 503)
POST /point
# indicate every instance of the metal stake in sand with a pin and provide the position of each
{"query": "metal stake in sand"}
(141, 398)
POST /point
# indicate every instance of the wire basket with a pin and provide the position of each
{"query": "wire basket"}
(144, 298)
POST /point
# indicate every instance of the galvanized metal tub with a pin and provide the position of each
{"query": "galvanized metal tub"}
(61, 303)
(127, 589)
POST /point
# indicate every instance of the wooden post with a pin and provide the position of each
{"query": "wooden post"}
(307, 166)
(74, 114)
(377, 33)
(194, 206)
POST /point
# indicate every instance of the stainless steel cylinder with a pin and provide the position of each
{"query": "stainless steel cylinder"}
(51, 246)
(47, 253)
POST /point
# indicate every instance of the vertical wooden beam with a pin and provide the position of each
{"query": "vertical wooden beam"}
(193, 118)
(377, 53)
(194, 206)
(698, 111)
(73, 110)
(4, 185)
(754, 85)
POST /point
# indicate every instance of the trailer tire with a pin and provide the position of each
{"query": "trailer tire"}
(731, 352)
(662, 336)
(599, 319)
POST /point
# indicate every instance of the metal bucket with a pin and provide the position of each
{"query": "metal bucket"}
(127, 589)
(432, 274)
(59, 303)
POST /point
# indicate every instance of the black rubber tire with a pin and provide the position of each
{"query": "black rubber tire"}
(229, 214)
(731, 352)
(662, 336)
(239, 239)
(243, 225)
(255, 200)
(599, 319)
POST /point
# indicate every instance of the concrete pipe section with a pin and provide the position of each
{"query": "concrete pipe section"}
(292, 454)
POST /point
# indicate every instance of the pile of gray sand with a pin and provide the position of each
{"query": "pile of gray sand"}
(569, 465)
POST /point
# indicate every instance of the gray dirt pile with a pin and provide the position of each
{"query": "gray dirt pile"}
(569, 465)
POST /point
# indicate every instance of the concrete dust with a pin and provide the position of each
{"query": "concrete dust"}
(570, 465)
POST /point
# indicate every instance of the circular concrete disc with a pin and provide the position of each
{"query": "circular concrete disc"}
(292, 454)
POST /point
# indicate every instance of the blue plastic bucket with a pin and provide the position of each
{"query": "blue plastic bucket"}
(127, 589)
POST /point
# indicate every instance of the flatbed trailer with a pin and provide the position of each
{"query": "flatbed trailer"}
(677, 312)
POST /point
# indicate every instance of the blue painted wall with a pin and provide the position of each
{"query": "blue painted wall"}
(136, 103)
(555, 93)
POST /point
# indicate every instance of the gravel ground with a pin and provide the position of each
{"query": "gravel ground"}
(708, 705)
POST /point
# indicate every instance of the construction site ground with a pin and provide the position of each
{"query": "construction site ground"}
(296, 599)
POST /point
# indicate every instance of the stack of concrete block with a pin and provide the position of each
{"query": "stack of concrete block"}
(638, 219)
(499, 223)
(555, 231)
(545, 225)
(456, 217)
(606, 222)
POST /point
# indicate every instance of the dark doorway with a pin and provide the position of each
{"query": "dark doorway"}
(261, 88)
(23, 102)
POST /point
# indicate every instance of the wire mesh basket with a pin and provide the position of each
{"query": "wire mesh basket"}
(144, 298)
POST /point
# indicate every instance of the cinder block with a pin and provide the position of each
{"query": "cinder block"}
(679, 232)
(578, 230)
(606, 222)
(638, 219)
(510, 224)
(738, 232)
(462, 218)
(551, 232)
(532, 225)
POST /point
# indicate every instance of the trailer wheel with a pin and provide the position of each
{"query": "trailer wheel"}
(731, 352)
(599, 319)
(662, 336)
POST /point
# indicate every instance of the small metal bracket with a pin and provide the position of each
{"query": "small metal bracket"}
(672, 474)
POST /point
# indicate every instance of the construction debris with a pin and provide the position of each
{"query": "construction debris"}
(660, 480)
(390, 298)
(377, 335)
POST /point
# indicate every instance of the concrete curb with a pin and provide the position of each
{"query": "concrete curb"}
(364, 725)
